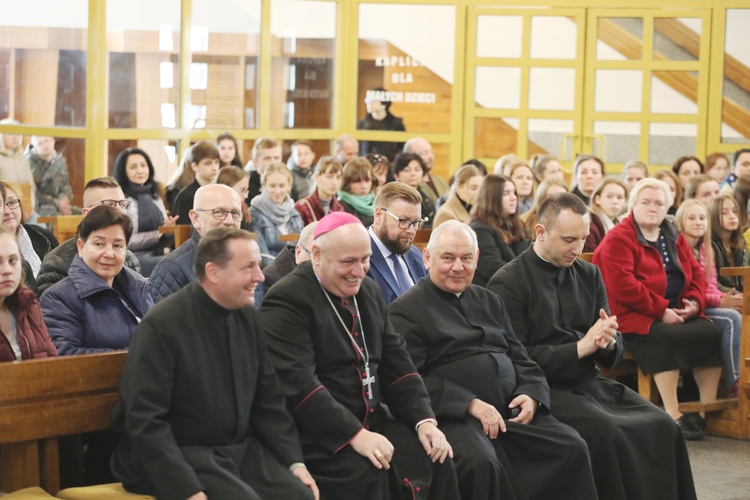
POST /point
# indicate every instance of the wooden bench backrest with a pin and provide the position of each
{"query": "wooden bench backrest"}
(64, 227)
(43, 399)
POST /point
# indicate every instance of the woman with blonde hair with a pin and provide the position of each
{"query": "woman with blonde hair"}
(724, 309)
(463, 195)
(523, 178)
(546, 189)
(546, 167)
(273, 211)
(607, 205)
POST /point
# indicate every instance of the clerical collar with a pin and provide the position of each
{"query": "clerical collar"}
(440, 291)
(545, 264)
(206, 300)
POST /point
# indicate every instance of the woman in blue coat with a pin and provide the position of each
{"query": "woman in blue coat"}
(97, 307)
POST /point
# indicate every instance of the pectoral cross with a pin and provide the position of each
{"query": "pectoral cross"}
(368, 381)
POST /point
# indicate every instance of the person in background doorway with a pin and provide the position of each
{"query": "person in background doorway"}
(379, 117)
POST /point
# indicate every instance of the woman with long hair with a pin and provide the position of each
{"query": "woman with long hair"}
(523, 178)
(463, 196)
(410, 169)
(717, 166)
(687, 167)
(607, 204)
(181, 178)
(588, 172)
(724, 309)
(357, 192)
(671, 180)
(546, 167)
(237, 179)
(229, 154)
(727, 241)
(500, 233)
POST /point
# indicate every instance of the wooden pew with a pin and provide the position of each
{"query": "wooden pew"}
(422, 238)
(181, 232)
(64, 227)
(43, 399)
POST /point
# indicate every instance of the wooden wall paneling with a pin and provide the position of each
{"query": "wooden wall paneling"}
(149, 95)
(36, 85)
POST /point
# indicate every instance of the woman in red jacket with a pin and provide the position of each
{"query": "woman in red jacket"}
(24, 333)
(657, 290)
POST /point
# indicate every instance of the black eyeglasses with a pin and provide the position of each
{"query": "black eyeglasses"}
(124, 204)
(13, 204)
(221, 214)
(406, 223)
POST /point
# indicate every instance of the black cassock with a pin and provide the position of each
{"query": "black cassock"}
(322, 375)
(201, 408)
(465, 348)
(637, 450)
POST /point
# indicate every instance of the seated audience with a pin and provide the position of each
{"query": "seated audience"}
(382, 169)
(347, 148)
(34, 241)
(724, 309)
(337, 357)
(740, 167)
(301, 163)
(50, 170)
(229, 153)
(289, 258)
(727, 241)
(204, 161)
(201, 414)
(55, 266)
(495, 220)
(523, 178)
(502, 165)
(742, 195)
(322, 200)
(14, 166)
(97, 307)
(557, 305)
(273, 212)
(463, 196)
(357, 193)
(687, 167)
(477, 373)
(717, 166)
(546, 189)
(214, 205)
(702, 187)
(24, 332)
(395, 264)
(657, 291)
(588, 172)
(410, 169)
(671, 180)
(181, 178)
(433, 185)
(546, 167)
(633, 172)
(607, 205)
(135, 174)
(266, 151)
(237, 179)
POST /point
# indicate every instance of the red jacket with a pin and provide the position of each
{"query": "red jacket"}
(33, 338)
(634, 275)
(312, 201)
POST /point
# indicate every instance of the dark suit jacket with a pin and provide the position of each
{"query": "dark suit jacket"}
(381, 272)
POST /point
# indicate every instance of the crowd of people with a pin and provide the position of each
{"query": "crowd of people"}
(465, 371)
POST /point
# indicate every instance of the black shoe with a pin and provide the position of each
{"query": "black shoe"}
(689, 428)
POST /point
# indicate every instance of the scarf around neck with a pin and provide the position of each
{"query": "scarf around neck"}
(364, 205)
(278, 213)
(149, 215)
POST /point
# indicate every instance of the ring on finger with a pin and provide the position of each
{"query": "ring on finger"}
(378, 454)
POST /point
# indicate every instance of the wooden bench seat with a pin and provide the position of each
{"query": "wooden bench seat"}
(43, 399)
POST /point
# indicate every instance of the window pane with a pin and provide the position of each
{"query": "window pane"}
(43, 47)
(553, 37)
(498, 87)
(621, 141)
(618, 90)
(669, 141)
(413, 60)
(302, 63)
(499, 36)
(676, 39)
(674, 92)
(552, 89)
(545, 135)
(223, 76)
(619, 39)
(144, 70)
(735, 114)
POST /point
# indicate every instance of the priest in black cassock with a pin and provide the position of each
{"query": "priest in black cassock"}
(557, 305)
(477, 371)
(200, 409)
(339, 360)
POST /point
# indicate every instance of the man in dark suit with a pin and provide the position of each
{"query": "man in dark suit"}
(395, 265)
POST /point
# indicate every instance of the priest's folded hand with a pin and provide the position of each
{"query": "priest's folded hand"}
(374, 447)
(528, 408)
(198, 496)
(491, 420)
(434, 442)
(304, 475)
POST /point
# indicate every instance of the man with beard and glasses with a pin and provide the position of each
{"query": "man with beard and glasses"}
(395, 265)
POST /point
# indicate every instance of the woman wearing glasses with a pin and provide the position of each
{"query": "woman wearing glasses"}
(273, 211)
(500, 232)
(410, 169)
(135, 174)
(97, 307)
(34, 241)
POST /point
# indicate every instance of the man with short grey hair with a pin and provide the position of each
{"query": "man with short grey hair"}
(432, 185)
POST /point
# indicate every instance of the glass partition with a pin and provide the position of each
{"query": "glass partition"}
(735, 114)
